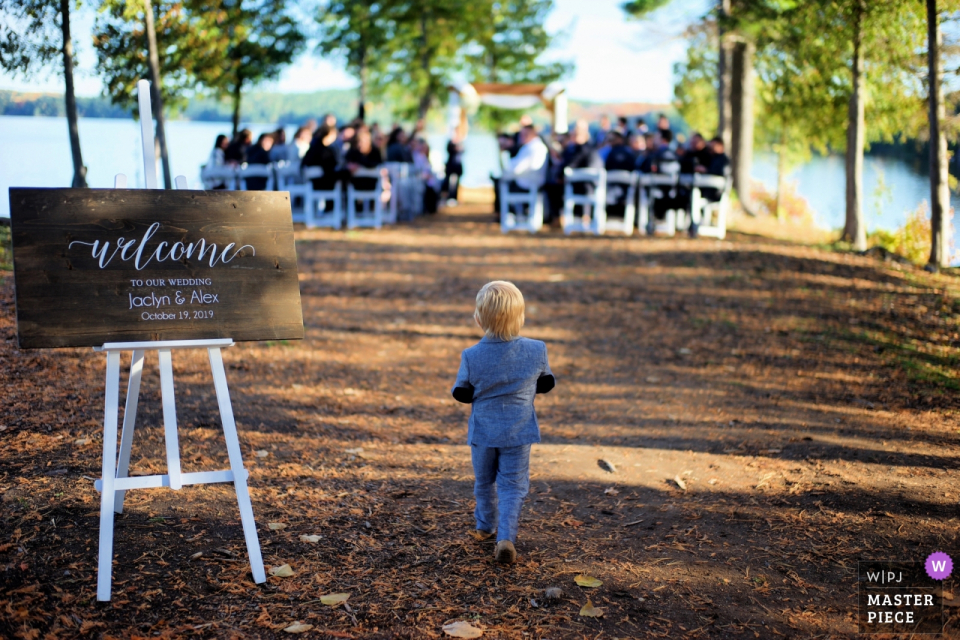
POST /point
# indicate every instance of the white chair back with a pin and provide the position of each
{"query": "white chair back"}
(711, 216)
(215, 175)
(256, 171)
(521, 211)
(622, 190)
(370, 201)
(592, 205)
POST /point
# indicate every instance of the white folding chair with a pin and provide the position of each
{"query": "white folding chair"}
(593, 205)
(621, 189)
(397, 172)
(529, 208)
(315, 202)
(248, 171)
(213, 176)
(711, 216)
(654, 186)
(370, 200)
(289, 179)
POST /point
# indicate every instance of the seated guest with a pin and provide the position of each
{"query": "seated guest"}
(217, 157)
(363, 155)
(620, 157)
(694, 160)
(397, 149)
(279, 150)
(580, 152)
(663, 126)
(323, 153)
(527, 168)
(601, 133)
(716, 163)
(236, 151)
(259, 154)
(422, 167)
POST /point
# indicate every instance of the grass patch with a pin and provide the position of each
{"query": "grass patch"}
(6, 249)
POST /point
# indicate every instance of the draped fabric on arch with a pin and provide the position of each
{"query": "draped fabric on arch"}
(466, 98)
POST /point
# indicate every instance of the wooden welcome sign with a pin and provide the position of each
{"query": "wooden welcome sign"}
(115, 265)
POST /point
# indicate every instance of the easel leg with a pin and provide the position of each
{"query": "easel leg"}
(236, 465)
(129, 419)
(111, 399)
(170, 419)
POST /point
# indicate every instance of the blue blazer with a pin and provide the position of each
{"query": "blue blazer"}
(500, 378)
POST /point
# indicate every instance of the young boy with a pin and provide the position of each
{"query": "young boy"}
(500, 376)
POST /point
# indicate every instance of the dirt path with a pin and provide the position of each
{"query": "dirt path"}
(772, 413)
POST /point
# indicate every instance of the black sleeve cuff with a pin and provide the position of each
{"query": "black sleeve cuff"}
(464, 394)
(545, 383)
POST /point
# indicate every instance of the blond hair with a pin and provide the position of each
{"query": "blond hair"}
(500, 309)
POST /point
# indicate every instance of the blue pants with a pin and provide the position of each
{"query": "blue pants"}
(502, 473)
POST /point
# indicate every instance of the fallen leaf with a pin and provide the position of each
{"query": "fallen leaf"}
(606, 466)
(261, 453)
(610, 491)
(553, 593)
(461, 629)
(570, 522)
(306, 538)
(587, 581)
(196, 555)
(283, 571)
(684, 351)
(653, 379)
(276, 526)
(354, 452)
(590, 611)
(680, 482)
(333, 599)
(81, 441)
(298, 627)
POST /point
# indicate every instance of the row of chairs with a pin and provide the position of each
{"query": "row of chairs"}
(634, 192)
(334, 207)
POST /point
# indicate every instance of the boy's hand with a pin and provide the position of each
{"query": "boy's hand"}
(545, 383)
(464, 394)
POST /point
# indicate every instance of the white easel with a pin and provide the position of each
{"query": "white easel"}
(115, 481)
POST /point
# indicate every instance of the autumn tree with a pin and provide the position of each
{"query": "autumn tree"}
(262, 37)
(508, 47)
(355, 31)
(34, 33)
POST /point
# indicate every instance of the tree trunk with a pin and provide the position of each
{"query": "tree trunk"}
(237, 94)
(854, 230)
(425, 60)
(155, 97)
(724, 108)
(362, 107)
(79, 171)
(781, 170)
(939, 187)
(741, 99)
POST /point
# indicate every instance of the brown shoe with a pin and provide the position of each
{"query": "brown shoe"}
(506, 553)
(481, 536)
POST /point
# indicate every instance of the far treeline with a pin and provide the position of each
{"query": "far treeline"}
(822, 75)
(403, 52)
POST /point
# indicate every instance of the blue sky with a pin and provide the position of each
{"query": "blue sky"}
(617, 60)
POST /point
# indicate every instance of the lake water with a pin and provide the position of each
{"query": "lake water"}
(35, 152)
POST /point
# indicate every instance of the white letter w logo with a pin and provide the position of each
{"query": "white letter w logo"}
(939, 565)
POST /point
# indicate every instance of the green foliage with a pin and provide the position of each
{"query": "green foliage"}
(640, 8)
(6, 249)
(695, 87)
(407, 53)
(30, 35)
(912, 239)
(218, 47)
(186, 44)
(507, 48)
